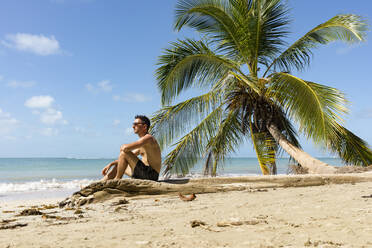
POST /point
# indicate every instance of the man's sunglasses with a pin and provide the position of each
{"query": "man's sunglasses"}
(137, 123)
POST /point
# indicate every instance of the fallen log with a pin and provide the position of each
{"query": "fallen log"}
(104, 190)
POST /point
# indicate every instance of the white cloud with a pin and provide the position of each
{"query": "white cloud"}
(116, 122)
(51, 116)
(7, 123)
(105, 85)
(49, 131)
(20, 84)
(102, 86)
(89, 87)
(37, 44)
(42, 106)
(39, 102)
(134, 97)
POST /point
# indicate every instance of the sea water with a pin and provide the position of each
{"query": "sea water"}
(25, 178)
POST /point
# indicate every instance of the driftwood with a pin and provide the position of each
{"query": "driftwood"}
(101, 191)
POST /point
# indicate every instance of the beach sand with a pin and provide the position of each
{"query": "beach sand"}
(335, 215)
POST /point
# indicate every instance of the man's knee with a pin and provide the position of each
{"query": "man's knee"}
(123, 154)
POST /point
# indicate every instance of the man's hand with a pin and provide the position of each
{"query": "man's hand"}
(137, 144)
(124, 148)
(107, 167)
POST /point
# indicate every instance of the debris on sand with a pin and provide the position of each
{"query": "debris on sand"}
(30, 211)
(316, 243)
(120, 202)
(48, 216)
(78, 211)
(202, 224)
(238, 223)
(187, 198)
(250, 190)
(195, 223)
(119, 208)
(13, 226)
(6, 221)
(367, 196)
(50, 206)
(8, 211)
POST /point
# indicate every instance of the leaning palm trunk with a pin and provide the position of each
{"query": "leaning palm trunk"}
(313, 165)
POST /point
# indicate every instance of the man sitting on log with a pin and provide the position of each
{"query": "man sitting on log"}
(146, 168)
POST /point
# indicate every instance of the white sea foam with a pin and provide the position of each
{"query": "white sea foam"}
(52, 184)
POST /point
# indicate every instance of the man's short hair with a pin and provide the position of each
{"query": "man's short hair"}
(144, 119)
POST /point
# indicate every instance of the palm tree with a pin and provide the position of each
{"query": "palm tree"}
(243, 66)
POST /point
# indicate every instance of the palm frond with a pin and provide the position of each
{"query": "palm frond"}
(170, 122)
(349, 147)
(189, 63)
(228, 136)
(266, 148)
(250, 31)
(213, 18)
(267, 27)
(314, 106)
(191, 147)
(348, 28)
(203, 15)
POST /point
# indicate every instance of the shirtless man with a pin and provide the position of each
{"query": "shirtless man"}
(129, 163)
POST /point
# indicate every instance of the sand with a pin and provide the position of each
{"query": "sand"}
(335, 215)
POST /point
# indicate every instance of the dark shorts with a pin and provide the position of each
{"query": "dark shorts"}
(141, 171)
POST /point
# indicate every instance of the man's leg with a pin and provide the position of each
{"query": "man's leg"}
(125, 159)
(112, 173)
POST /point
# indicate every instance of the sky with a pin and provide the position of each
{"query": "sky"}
(74, 73)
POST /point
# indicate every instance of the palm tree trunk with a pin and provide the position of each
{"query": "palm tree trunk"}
(207, 166)
(214, 170)
(273, 169)
(313, 165)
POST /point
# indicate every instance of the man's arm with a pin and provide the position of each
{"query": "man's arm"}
(137, 144)
(136, 151)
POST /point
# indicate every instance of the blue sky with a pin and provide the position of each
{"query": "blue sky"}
(73, 73)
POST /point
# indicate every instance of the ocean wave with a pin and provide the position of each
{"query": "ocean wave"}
(52, 184)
